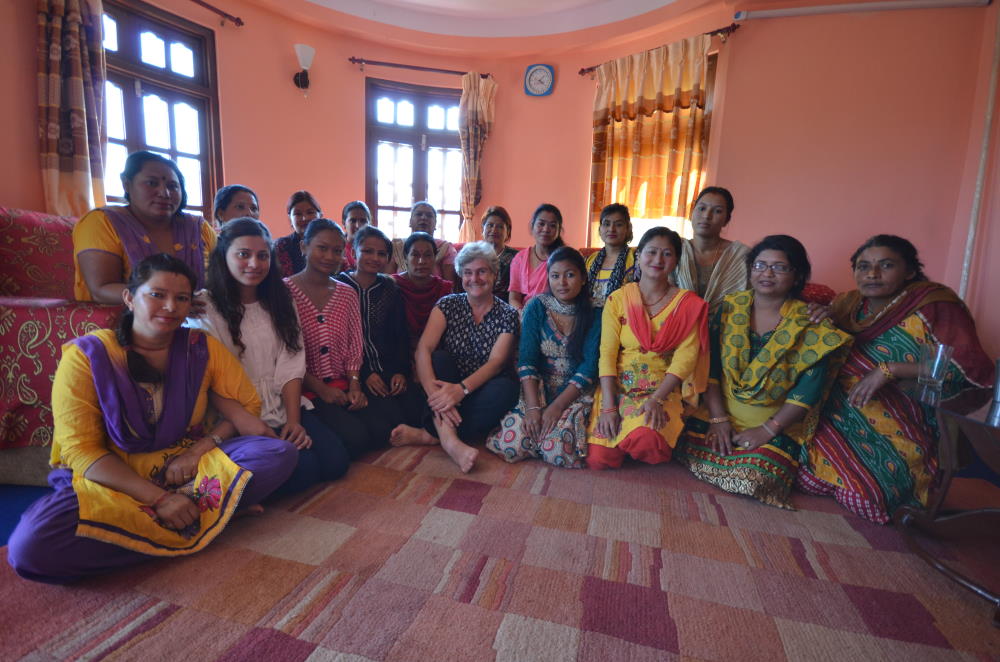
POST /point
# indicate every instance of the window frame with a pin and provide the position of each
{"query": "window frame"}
(420, 137)
(126, 69)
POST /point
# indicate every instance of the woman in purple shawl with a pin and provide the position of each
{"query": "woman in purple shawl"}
(108, 242)
(140, 470)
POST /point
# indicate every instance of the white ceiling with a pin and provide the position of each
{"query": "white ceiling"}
(494, 18)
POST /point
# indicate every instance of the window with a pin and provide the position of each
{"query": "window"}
(161, 96)
(413, 153)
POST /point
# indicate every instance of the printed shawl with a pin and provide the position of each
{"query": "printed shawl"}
(186, 234)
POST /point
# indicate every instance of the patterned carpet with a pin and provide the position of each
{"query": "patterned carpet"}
(404, 560)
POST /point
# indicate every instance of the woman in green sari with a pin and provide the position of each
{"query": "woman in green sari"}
(770, 370)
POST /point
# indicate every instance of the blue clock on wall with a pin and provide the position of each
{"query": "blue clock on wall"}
(539, 80)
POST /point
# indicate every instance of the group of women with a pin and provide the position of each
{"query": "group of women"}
(245, 367)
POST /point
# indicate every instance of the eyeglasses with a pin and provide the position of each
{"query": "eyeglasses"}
(779, 268)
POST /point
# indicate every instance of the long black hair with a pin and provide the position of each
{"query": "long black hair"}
(138, 367)
(794, 252)
(271, 292)
(552, 209)
(899, 245)
(224, 196)
(584, 308)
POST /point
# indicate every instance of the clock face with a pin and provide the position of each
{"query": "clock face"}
(538, 80)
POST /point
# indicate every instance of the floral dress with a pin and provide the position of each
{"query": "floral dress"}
(544, 355)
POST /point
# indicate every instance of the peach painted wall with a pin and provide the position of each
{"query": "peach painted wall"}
(20, 181)
(829, 128)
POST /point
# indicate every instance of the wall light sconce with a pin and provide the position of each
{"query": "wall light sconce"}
(305, 54)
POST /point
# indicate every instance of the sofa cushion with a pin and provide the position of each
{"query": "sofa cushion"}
(36, 254)
(32, 333)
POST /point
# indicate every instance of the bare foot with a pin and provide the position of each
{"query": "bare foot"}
(256, 510)
(463, 454)
(407, 435)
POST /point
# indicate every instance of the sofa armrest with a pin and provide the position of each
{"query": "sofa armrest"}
(32, 333)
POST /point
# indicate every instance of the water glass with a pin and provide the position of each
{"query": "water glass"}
(934, 361)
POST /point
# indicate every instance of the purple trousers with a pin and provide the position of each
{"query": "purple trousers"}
(44, 547)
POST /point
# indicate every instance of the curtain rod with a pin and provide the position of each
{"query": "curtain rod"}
(237, 21)
(724, 33)
(412, 67)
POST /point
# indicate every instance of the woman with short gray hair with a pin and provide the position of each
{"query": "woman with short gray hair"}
(469, 379)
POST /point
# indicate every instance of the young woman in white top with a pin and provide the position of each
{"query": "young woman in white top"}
(250, 311)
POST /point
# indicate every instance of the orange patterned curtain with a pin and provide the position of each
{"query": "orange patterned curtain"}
(650, 131)
(71, 74)
(475, 119)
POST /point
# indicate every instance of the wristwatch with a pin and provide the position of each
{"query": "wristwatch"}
(465, 389)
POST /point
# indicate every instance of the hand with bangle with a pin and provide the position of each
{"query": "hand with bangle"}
(720, 434)
(654, 415)
(754, 438)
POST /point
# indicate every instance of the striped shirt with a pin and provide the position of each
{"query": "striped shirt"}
(332, 336)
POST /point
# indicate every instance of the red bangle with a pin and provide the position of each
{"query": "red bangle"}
(159, 500)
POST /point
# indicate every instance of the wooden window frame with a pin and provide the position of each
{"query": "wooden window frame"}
(126, 69)
(418, 136)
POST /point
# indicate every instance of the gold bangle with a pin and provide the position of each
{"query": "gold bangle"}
(719, 419)
(884, 367)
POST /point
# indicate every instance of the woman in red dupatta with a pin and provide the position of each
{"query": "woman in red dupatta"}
(418, 286)
(654, 356)
(875, 448)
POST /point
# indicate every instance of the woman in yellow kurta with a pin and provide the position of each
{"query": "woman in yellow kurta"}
(654, 356)
(138, 473)
(109, 241)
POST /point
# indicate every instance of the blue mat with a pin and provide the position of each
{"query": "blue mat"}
(14, 500)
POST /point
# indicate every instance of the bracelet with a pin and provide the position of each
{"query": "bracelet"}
(216, 439)
(354, 378)
(160, 499)
(768, 428)
(884, 367)
(719, 419)
(609, 410)
(532, 409)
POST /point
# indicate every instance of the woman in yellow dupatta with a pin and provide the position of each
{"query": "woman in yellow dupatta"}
(138, 473)
(771, 369)
(654, 354)
(710, 265)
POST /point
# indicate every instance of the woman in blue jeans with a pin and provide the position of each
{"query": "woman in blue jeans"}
(250, 311)
(464, 361)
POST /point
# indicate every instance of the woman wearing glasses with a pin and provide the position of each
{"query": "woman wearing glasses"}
(770, 371)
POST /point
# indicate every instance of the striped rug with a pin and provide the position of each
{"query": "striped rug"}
(405, 559)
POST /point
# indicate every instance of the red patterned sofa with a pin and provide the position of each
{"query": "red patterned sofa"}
(37, 315)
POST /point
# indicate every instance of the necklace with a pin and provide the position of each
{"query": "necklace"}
(715, 254)
(534, 250)
(650, 306)
(554, 305)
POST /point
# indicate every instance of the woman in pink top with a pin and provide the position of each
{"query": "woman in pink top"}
(528, 276)
(330, 316)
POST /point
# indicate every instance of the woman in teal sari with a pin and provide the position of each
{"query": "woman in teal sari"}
(769, 373)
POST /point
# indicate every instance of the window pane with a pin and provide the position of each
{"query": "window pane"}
(153, 49)
(435, 177)
(453, 118)
(186, 128)
(404, 175)
(110, 34)
(450, 226)
(453, 179)
(435, 117)
(181, 59)
(155, 121)
(192, 179)
(394, 224)
(113, 167)
(115, 110)
(385, 110)
(385, 158)
(404, 113)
